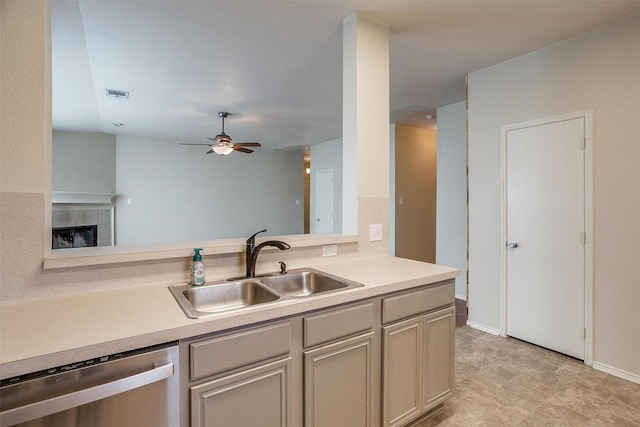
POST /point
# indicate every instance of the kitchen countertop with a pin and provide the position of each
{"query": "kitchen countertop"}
(40, 334)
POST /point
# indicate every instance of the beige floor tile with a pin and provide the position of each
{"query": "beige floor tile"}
(503, 382)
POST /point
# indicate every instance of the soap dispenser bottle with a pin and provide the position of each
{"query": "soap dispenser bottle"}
(196, 276)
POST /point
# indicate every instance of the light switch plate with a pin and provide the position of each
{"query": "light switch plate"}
(375, 232)
(330, 250)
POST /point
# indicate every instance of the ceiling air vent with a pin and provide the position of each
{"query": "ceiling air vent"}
(118, 93)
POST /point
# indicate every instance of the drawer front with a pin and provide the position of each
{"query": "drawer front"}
(412, 303)
(338, 323)
(228, 352)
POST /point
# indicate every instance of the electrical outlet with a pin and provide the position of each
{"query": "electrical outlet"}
(375, 232)
(330, 250)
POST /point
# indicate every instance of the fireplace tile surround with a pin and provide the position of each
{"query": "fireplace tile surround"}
(67, 216)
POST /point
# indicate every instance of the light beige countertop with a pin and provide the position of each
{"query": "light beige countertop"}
(36, 335)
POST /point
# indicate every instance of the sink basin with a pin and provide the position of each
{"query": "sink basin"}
(306, 282)
(200, 301)
(224, 296)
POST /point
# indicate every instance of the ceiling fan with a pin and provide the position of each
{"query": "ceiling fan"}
(222, 143)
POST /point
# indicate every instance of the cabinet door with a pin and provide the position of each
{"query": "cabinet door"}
(402, 371)
(338, 383)
(439, 354)
(255, 397)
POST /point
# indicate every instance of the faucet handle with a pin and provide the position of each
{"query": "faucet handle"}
(253, 236)
(283, 267)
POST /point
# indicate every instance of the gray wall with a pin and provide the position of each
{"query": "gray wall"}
(451, 206)
(327, 155)
(599, 69)
(84, 162)
(180, 194)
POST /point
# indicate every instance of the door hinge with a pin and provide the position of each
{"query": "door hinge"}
(584, 333)
(583, 238)
(583, 143)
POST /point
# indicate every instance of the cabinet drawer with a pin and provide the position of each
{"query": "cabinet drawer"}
(411, 303)
(338, 323)
(233, 351)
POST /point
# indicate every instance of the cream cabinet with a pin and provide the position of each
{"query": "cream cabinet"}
(418, 352)
(402, 371)
(255, 397)
(438, 357)
(386, 360)
(241, 379)
(338, 380)
(340, 366)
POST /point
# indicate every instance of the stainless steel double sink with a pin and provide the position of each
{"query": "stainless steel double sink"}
(224, 296)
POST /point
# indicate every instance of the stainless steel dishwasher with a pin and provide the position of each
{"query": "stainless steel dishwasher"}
(138, 388)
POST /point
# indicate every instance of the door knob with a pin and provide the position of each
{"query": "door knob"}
(512, 245)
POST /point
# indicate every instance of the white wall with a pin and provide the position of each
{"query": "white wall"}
(327, 155)
(451, 206)
(84, 162)
(179, 193)
(601, 70)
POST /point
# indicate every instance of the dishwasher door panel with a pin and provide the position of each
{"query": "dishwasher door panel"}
(134, 389)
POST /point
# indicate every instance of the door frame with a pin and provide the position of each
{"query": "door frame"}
(587, 116)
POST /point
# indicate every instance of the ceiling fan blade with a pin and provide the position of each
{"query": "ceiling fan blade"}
(210, 151)
(190, 143)
(249, 144)
(241, 149)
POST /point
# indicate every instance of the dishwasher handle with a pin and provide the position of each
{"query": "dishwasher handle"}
(81, 397)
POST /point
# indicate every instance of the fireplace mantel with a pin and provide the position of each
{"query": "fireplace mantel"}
(71, 197)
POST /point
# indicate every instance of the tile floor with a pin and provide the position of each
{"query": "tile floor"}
(506, 382)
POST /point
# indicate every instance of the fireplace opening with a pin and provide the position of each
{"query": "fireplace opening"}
(79, 236)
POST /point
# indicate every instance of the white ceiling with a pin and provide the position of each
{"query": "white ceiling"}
(276, 65)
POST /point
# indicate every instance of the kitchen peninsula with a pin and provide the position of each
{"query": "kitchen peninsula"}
(398, 299)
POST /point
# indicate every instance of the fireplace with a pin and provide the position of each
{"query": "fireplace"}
(81, 220)
(79, 236)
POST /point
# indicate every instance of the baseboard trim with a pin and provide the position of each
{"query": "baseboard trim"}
(483, 328)
(634, 378)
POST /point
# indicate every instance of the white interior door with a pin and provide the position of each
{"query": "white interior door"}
(545, 235)
(324, 201)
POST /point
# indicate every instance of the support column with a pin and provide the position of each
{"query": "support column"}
(365, 127)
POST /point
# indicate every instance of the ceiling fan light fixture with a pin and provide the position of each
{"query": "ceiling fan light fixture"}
(223, 137)
(222, 150)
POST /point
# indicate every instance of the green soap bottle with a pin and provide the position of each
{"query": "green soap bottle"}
(196, 276)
